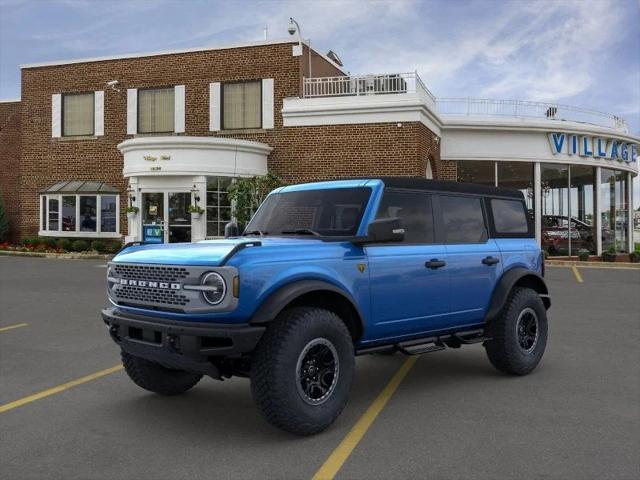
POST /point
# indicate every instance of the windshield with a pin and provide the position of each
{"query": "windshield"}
(328, 212)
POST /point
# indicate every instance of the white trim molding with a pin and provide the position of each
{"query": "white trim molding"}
(185, 156)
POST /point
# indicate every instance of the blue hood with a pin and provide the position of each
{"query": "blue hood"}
(208, 252)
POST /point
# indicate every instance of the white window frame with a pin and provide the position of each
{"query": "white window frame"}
(44, 216)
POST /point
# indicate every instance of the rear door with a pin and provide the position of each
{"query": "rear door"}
(473, 259)
(407, 296)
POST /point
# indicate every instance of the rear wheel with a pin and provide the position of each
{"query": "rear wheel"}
(302, 370)
(519, 334)
(158, 379)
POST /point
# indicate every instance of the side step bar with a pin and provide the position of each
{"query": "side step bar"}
(419, 346)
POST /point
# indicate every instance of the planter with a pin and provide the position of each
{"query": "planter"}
(609, 257)
(196, 216)
(634, 257)
(132, 215)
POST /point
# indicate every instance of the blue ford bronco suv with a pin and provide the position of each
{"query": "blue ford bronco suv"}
(324, 272)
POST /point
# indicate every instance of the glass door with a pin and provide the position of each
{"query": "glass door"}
(179, 218)
(153, 215)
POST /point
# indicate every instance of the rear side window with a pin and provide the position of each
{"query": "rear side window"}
(509, 216)
(462, 219)
(413, 210)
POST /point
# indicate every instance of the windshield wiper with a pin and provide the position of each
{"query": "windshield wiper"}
(254, 232)
(301, 231)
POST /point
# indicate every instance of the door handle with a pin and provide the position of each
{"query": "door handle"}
(435, 263)
(490, 260)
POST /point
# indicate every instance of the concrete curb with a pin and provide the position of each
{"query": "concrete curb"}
(61, 256)
(604, 265)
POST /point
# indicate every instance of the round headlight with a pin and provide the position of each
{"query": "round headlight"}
(215, 288)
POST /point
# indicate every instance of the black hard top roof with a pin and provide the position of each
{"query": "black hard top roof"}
(419, 183)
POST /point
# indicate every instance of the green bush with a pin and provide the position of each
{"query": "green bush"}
(80, 246)
(47, 242)
(65, 244)
(98, 246)
(113, 246)
(33, 241)
(583, 254)
(4, 223)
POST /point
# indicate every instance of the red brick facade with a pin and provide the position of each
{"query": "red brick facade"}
(10, 163)
(299, 153)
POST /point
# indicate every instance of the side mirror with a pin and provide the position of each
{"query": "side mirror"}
(385, 230)
(231, 230)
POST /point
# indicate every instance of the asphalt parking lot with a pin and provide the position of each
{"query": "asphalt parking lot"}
(453, 416)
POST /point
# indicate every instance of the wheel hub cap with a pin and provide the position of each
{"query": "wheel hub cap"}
(317, 371)
(527, 330)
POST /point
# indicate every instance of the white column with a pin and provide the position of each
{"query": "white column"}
(199, 227)
(598, 212)
(537, 187)
(134, 226)
(630, 243)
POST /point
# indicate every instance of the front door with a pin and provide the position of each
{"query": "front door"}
(165, 218)
(409, 281)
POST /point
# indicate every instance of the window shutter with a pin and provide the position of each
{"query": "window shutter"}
(132, 111)
(178, 111)
(214, 106)
(56, 115)
(98, 111)
(267, 103)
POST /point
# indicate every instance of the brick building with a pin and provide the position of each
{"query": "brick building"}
(164, 130)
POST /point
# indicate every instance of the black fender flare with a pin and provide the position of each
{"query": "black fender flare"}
(278, 300)
(511, 278)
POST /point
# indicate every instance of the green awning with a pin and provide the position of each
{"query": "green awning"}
(80, 186)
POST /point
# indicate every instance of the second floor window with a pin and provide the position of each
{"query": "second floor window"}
(242, 105)
(156, 110)
(77, 114)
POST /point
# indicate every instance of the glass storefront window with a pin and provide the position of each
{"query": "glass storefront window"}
(615, 210)
(472, 171)
(88, 214)
(582, 209)
(519, 176)
(69, 213)
(555, 208)
(218, 205)
(108, 214)
(53, 213)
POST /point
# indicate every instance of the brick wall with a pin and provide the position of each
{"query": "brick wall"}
(300, 153)
(10, 163)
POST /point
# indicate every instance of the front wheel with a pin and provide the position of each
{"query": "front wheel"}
(302, 370)
(519, 334)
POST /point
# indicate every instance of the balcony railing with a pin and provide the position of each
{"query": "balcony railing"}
(356, 85)
(520, 108)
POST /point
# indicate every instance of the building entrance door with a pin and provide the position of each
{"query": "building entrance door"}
(165, 218)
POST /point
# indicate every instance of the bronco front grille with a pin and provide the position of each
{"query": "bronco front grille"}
(151, 272)
(131, 294)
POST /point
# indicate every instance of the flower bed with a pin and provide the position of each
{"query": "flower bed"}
(62, 245)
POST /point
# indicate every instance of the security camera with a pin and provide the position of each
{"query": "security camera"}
(292, 27)
(112, 83)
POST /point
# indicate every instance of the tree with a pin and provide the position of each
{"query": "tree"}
(246, 195)
(4, 223)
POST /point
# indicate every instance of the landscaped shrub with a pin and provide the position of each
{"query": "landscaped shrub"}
(80, 246)
(30, 242)
(113, 246)
(98, 246)
(65, 244)
(635, 256)
(583, 254)
(4, 223)
(47, 242)
(610, 255)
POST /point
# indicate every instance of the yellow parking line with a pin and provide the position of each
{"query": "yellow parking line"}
(577, 274)
(11, 327)
(332, 465)
(60, 388)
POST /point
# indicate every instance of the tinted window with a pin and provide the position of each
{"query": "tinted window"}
(509, 216)
(329, 212)
(463, 220)
(413, 210)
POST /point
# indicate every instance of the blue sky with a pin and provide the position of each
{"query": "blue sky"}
(582, 52)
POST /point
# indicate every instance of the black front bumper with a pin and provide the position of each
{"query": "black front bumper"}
(180, 345)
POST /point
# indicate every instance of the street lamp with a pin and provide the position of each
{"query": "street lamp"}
(293, 28)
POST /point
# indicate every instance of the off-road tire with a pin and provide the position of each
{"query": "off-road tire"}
(154, 377)
(503, 348)
(274, 376)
